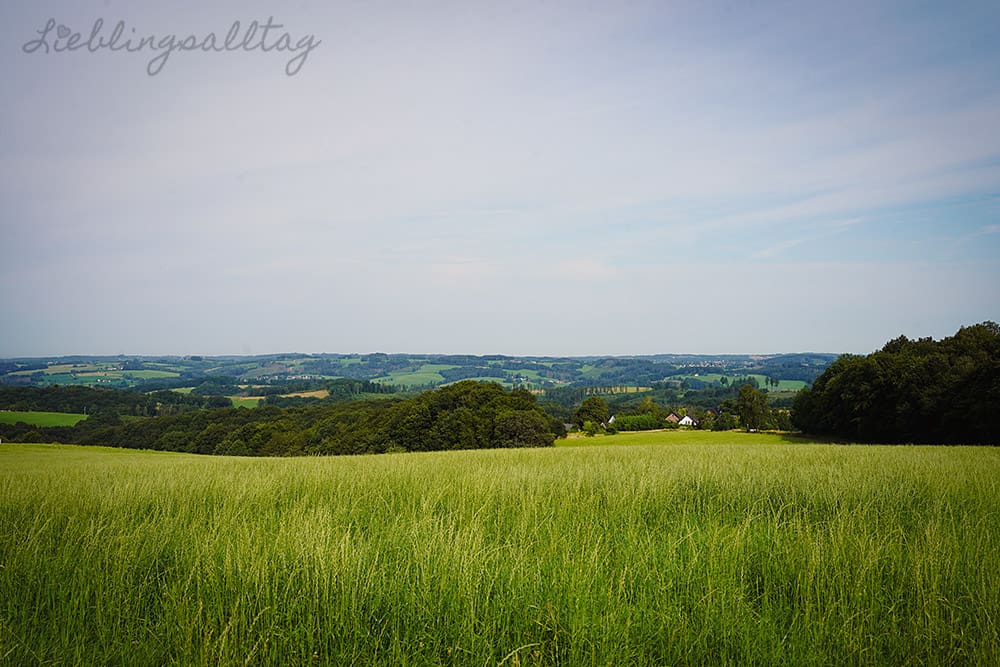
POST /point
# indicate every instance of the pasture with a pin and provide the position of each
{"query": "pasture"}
(42, 418)
(426, 374)
(245, 401)
(93, 374)
(319, 393)
(679, 436)
(684, 548)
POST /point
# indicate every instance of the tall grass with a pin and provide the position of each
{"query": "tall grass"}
(632, 555)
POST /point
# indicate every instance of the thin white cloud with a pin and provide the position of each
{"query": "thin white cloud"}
(777, 249)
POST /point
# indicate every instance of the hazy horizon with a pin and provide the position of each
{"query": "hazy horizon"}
(418, 354)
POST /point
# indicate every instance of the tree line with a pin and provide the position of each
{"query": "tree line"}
(749, 410)
(920, 391)
(466, 415)
(90, 400)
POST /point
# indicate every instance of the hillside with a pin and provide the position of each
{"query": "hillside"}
(234, 373)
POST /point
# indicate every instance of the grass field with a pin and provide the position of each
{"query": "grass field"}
(94, 374)
(319, 393)
(58, 369)
(245, 401)
(150, 374)
(718, 550)
(679, 436)
(426, 374)
(42, 418)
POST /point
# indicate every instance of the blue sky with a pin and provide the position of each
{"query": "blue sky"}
(558, 178)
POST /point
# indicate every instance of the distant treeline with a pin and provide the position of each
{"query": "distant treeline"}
(920, 391)
(339, 389)
(466, 415)
(90, 400)
(562, 401)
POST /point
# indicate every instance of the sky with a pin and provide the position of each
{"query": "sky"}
(522, 178)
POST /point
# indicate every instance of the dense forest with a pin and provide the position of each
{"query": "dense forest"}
(465, 415)
(88, 401)
(920, 391)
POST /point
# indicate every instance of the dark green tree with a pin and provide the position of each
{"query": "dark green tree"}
(752, 408)
(523, 428)
(910, 391)
(594, 408)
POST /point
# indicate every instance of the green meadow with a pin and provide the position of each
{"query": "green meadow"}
(680, 436)
(676, 548)
(245, 401)
(426, 374)
(42, 418)
(150, 374)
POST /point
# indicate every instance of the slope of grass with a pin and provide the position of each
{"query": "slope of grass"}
(150, 374)
(42, 418)
(318, 393)
(679, 436)
(245, 401)
(727, 551)
(426, 374)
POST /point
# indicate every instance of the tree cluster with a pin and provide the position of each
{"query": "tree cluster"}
(89, 400)
(466, 415)
(921, 391)
(595, 414)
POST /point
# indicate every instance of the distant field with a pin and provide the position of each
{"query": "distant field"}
(733, 549)
(411, 379)
(146, 375)
(93, 374)
(73, 368)
(319, 393)
(436, 368)
(428, 374)
(42, 418)
(66, 378)
(57, 369)
(245, 401)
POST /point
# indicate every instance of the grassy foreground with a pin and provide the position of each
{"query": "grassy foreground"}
(737, 551)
